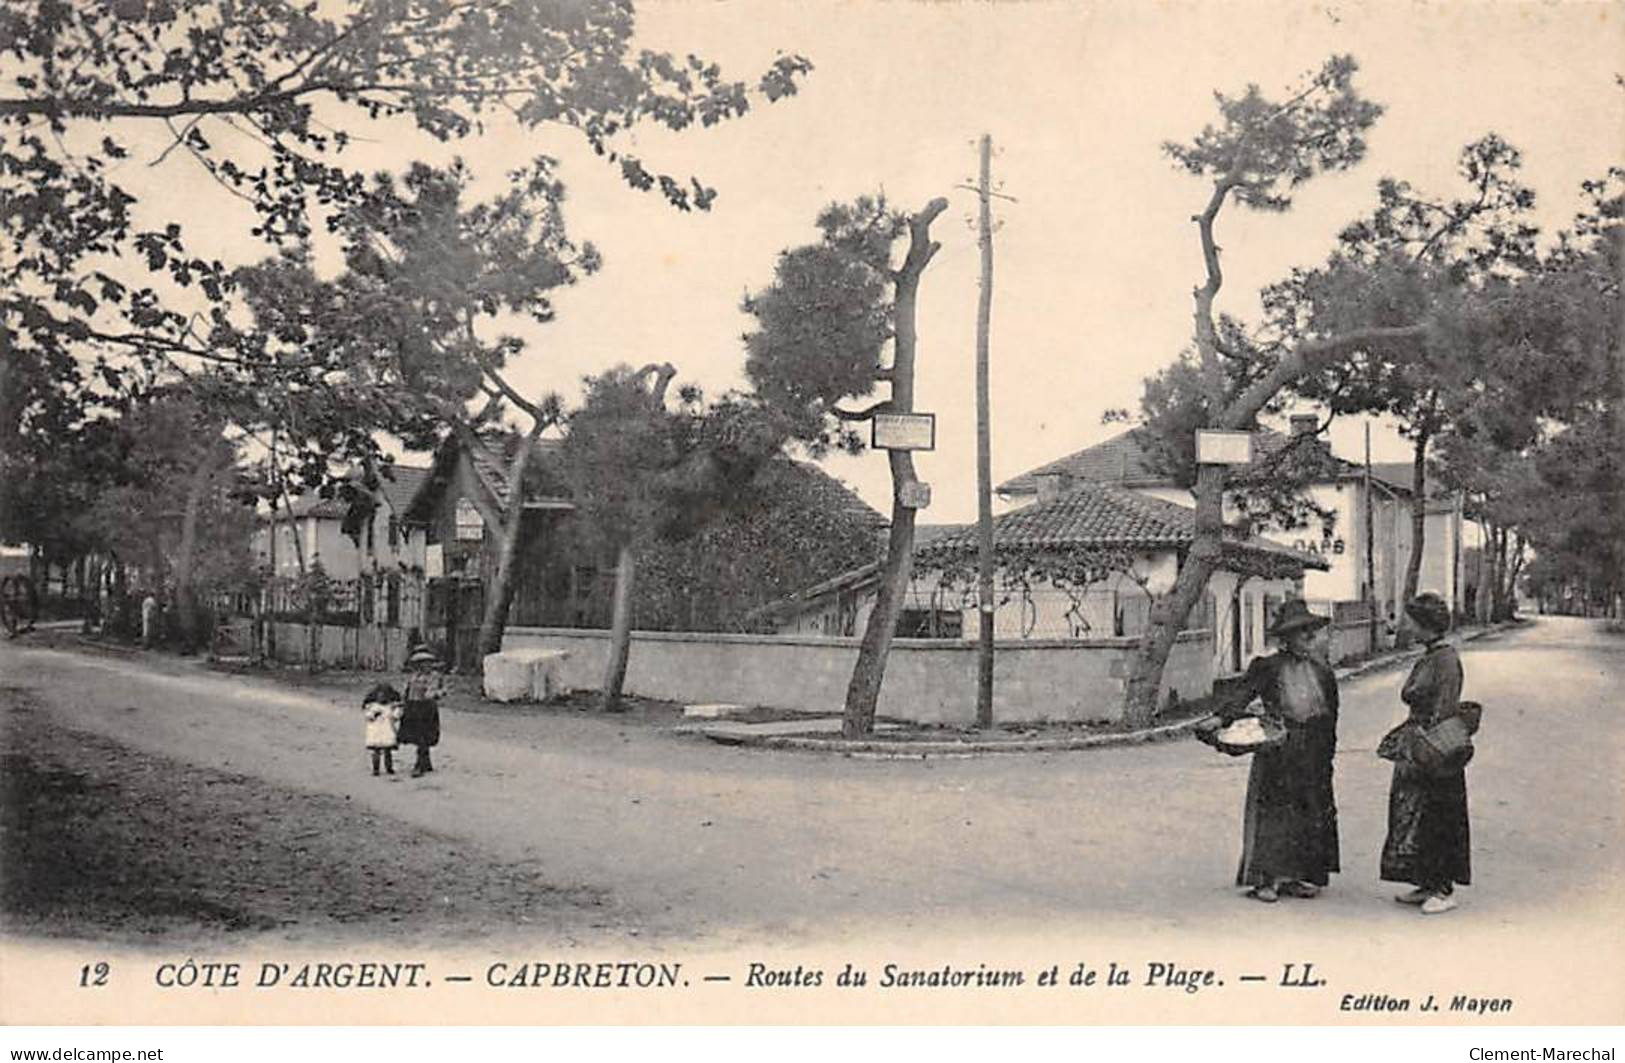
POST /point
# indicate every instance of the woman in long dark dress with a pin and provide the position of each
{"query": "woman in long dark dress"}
(1289, 822)
(1428, 843)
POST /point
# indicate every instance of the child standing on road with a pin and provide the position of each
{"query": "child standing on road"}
(382, 710)
(420, 724)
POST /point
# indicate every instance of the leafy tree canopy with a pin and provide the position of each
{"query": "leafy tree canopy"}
(269, 97)
(824, 323)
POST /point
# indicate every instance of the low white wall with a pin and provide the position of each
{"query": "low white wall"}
(927, 680)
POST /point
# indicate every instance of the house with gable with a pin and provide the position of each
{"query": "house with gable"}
(1075, 566)
(371, 552)
(461, 505)
(1369, 545)
(797, 525)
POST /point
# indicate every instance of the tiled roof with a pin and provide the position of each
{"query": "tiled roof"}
(1399, 474)
(400, 491)
(1105, 516)
(407, 480)
(1119, 459)
(1124, 459)
(490, 464)
(491, 458)
(310, 504)
(1091, 516)
(832, 493)
(1088, 515)
(926, 534)
(1258, 545)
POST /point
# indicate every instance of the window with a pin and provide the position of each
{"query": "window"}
(394, 533)
(470, 525)
(930, 624)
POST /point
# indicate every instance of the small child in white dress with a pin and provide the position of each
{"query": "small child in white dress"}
(381, 708)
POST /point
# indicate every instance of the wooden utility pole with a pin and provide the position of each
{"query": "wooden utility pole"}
(984, 460)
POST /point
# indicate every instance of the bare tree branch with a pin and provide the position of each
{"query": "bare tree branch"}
(1307, 358)
(861, 415)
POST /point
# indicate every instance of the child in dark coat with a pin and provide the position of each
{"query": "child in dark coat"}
(420, 725)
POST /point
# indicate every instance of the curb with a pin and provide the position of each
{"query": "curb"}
(880, 749)
(883, 750)
(1404, 656)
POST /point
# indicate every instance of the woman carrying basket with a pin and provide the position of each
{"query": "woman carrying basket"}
(1289, 842)
(1428, 840)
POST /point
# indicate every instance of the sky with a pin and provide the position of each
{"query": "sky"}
(1096, 257)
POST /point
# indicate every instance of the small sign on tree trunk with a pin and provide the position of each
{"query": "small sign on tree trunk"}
(1214, 447)
(914, 494)
(904, 431)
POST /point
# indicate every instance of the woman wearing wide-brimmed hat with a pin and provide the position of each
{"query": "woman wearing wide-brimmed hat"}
(420, 721)
(1428, 839)
(1289, 823)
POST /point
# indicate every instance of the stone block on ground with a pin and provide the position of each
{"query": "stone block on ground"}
(506, 676)
(547, 674)
(523, 675)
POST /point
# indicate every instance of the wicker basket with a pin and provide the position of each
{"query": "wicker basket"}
(1221, 736)
(1448, 745)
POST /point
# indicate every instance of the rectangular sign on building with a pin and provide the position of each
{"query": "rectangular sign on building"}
(904, 431)
(1214, 447)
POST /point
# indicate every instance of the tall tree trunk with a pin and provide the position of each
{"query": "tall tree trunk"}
(863, 691)
(1419, 522)
(1514, 570)
(1169, 610)
(312, 632)
(1506, 573)
(1503, 571)
(39, 571)
(499, 596)
(1419, 519)
(1231, 413)
(82, 592)
(185, 592)
(620, 630)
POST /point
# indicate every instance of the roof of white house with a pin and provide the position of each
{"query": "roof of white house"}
(401, 485)
(400, 491)
(1400, 473)
(1124, 459)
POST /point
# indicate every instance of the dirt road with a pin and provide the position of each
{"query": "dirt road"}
(621, 829)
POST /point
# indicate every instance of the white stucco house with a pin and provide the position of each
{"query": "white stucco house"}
(387, 549)
(1080, 565)
(1372, 517)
